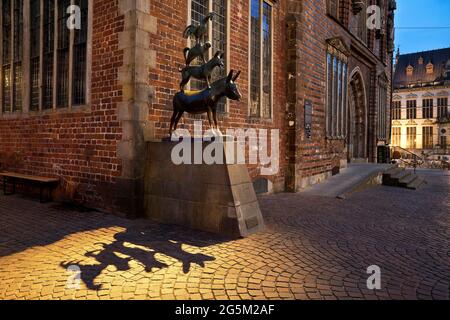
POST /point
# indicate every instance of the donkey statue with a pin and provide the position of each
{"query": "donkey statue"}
(205, 101)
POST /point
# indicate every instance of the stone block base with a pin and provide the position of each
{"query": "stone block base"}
(218, 198)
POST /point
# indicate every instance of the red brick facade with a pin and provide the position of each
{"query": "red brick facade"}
(312, 160)
(97, 150)
(80, 145)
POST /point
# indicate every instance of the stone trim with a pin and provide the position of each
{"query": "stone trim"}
(337, 47)
(133, 111)
(291, 123)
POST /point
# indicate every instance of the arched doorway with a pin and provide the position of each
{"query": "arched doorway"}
(357, 135)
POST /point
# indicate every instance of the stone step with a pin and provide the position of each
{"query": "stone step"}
(416, 184)
(404, 182)
(401, 175)
(393, 171)
(388, 176)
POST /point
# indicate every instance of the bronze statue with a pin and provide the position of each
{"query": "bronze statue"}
(202, 72)
(205, 101)
(198, 51)
(199, 32)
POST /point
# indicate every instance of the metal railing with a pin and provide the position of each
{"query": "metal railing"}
(410, 159)
(407, 157)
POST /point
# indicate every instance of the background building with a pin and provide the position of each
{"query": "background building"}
(420, 110)
(81, 104)
(327, 40)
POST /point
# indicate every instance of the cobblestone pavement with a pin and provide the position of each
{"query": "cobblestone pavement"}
(314, 248)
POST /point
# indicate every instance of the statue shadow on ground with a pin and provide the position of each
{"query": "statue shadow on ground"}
(142, 246)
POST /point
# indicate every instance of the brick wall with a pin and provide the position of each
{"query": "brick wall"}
(79, 146)
(316, 157)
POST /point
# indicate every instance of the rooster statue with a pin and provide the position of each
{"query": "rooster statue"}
(199, 32)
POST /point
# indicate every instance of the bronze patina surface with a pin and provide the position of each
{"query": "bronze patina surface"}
(206, 100)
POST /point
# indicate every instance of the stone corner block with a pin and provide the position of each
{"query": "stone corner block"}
(126, 150)
(133, 111)
(146, 22)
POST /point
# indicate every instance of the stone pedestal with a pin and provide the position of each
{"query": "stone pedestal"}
(218, 198)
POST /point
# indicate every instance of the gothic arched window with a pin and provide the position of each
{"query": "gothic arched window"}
(337, 88)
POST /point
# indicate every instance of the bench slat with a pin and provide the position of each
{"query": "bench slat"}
(27, 177)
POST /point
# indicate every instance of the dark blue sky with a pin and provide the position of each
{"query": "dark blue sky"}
(422, 13)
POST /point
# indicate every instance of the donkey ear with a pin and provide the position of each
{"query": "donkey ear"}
(237, 75)
(219, 54)
(230, 76)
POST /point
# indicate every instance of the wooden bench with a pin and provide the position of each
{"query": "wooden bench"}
(41, 182)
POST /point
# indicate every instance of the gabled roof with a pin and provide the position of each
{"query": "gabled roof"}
(441, 63)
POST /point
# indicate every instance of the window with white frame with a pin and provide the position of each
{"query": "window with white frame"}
(427, 137)
(442, 104)
(217, 35)
(337, 88)
(48, 49)
(80, 56)
(55, 54)
(261, 54)
(6, 55)
(396, 136)
(62, 65)
(443, 142)
(396, 110)
(35, 54)
(411, 138)
(12, 55)
(427, 108)
(411, 109)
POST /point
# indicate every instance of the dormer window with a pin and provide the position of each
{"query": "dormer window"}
(337, 89)
(409, 70)
(447, 69)
(430, 68)
(420, 60)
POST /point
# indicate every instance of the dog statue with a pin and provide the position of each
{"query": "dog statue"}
(205, 101)
(202, 72)
(199, 32)
(198, 51)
